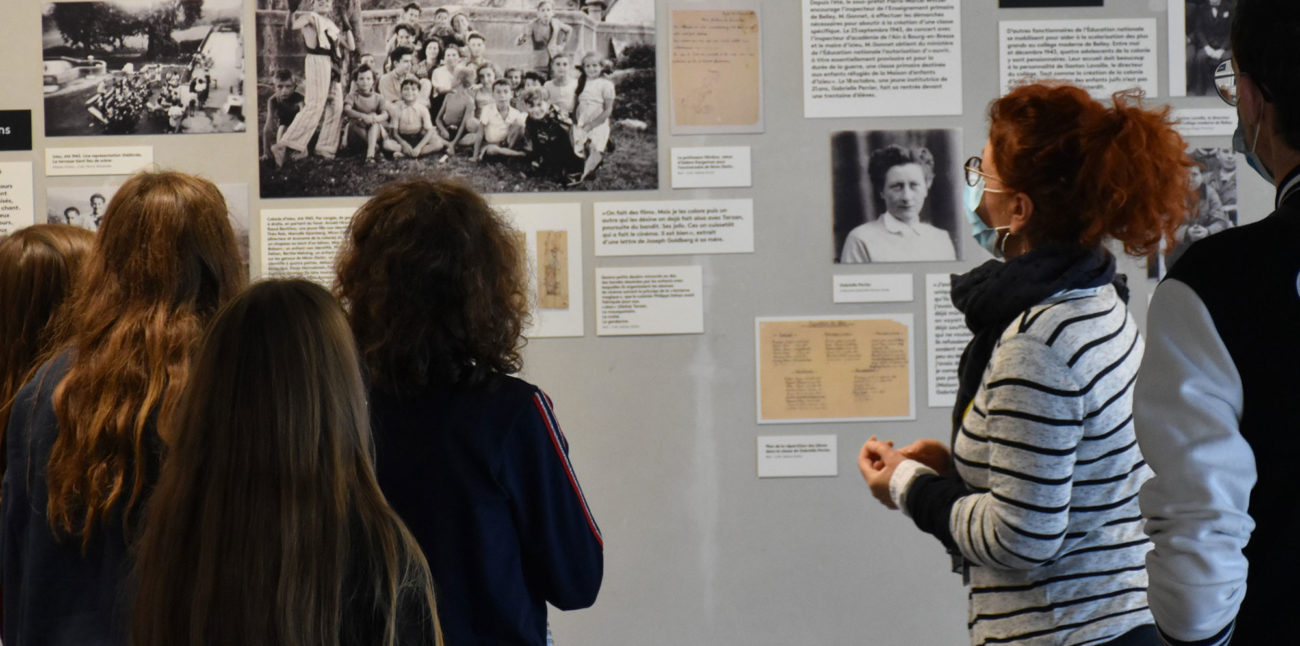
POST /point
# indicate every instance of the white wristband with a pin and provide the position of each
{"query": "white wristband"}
(904, 474)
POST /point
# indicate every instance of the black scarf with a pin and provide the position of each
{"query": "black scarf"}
(993, 294)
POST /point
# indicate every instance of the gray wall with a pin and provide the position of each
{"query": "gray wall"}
(698, 549)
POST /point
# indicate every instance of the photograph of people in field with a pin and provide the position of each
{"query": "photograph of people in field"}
(507, 95)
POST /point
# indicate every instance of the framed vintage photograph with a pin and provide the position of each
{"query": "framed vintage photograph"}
(143, 67)
(509, 95)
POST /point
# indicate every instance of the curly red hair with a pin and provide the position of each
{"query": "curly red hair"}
(1092, 171)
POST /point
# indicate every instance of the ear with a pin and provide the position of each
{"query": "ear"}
(1249, 99)
(1022, 208)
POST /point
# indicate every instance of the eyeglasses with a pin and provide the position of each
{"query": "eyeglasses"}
(974, 175)
(1225, 82)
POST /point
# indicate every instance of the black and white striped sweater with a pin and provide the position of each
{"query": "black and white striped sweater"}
(1050, 526)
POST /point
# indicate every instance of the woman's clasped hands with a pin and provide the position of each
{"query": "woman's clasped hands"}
(878, 460)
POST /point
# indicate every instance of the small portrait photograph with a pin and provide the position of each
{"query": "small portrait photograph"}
(896, 195)
(142, 67)
(509, 96)
(1209, 23)
(1214, 181)
(84, 205)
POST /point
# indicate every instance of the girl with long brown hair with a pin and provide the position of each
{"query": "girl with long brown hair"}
(82, 443)
(470, 457)
(38, 266)
(267, 526)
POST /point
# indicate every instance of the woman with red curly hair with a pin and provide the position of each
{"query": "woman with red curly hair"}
(470, 457)
(1037, 499)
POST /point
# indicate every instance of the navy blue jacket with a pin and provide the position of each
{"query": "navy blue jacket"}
(53, 593)
(482, 478)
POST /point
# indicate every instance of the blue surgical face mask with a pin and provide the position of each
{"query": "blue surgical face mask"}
(1239, 145)
(985, 235)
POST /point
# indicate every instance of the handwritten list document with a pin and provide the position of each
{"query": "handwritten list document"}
(881, 58)
(834, 369)
(716, 74)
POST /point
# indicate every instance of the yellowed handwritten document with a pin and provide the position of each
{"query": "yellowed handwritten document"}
(834, 369)
(715, 69)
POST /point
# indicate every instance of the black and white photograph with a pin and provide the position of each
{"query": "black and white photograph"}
(142, 67)
(896, 195)
(507, 95)
(1208, 23)
(83, 206)
(1214, 180)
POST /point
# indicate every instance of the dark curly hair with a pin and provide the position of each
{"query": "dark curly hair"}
(433, 282)
(1091, 170)
(883, 159)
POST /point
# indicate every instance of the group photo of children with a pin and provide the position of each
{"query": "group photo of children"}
(521, 96)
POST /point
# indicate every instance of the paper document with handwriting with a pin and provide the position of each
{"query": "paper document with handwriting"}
(716, 71)
(833, 369)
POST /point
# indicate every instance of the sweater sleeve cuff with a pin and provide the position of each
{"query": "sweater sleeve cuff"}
(905, 474)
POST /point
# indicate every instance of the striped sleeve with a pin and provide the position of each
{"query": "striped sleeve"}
(1031, 426)
(558, 533)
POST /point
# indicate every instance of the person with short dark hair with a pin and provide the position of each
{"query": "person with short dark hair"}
(550, 151)
(401, 61)
(1215, 399)
(503, 125)
(902, 178)
(456, 122)
(471, 457)
(547, 35)
(322, 106)
(1037, 498)
(414, 134)
(476, 44)
(441, 28)
(367, 113)
(281, 108)
(97, 201)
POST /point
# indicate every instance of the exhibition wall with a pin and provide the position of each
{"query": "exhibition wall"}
(728, 495)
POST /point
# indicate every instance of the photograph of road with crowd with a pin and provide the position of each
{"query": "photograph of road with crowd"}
(143, 67)
(507, 95)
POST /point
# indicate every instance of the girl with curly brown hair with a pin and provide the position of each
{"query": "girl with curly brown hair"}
(1037, 498)
(83, 446)
(472, 459)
